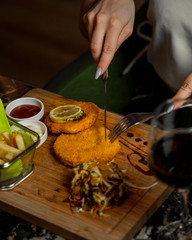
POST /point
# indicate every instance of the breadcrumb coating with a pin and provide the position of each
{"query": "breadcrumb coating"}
(85, 146)
(91, 113)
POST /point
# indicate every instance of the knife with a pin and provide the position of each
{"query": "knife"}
(105, 77)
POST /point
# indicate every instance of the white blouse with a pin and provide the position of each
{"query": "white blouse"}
(170, 50)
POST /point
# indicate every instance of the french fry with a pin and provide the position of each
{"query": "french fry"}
(19, 142)
(1, 137)
(2, 154)
(10, 146)
(13, 143)
(6, 156)
(9, 156)
(7, 148)
(7, 137)
(2, 161)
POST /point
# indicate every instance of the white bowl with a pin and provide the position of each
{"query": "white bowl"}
(25, 101)
(36, 126)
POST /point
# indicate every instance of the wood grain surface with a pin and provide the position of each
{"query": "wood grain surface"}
(40, 197)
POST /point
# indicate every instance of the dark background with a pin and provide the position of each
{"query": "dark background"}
(38, 38)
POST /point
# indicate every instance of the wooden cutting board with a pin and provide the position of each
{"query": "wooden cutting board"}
(40, 198)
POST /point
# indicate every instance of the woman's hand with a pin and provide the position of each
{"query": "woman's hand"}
(106, 24)
(185, 90)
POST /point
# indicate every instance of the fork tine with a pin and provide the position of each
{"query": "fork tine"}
(120, 128)
(115, 134)
(122, 121)
(116, 128)
(126, 122)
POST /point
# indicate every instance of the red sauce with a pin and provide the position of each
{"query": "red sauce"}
(25, 111)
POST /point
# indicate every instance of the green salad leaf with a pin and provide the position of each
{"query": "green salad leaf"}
(27, 138)
(4, 124)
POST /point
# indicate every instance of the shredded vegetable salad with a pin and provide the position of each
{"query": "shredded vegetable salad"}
(96, 187)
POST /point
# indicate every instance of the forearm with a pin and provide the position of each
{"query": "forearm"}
(106, 24)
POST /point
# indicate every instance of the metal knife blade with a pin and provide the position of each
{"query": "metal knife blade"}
(105, 77)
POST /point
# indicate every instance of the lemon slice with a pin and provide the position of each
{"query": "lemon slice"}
(65, 113)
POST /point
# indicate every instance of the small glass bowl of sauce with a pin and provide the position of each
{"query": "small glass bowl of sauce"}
(25, 108)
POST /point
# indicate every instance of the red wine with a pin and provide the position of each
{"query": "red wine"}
(171, 159)
(25, 111)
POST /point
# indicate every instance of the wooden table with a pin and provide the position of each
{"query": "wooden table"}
(39, 198)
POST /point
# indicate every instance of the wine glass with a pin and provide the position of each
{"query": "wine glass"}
(170, 158)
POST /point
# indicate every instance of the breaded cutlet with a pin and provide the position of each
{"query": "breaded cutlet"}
(91, 112)
(85, 146)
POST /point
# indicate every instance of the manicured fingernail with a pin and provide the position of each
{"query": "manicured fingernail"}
(98, 73)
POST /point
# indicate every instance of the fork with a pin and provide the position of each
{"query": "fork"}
(127, 122)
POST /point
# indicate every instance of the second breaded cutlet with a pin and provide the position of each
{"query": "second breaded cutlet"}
(85, 146)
